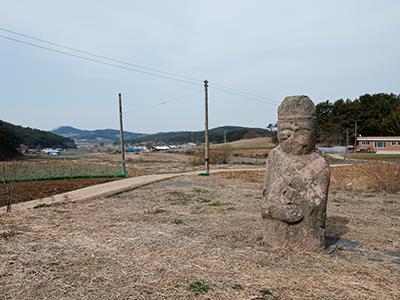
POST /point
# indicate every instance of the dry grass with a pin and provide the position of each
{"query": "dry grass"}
(255, 143)
(379, 176)
(131, 246)
(250, 176)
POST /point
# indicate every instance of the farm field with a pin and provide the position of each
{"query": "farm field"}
(373, 156)
(79, 169)
(42, 177)
(197, 237)
(32, 190)
(53, 169)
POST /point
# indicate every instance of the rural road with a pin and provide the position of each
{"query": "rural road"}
(107, 189)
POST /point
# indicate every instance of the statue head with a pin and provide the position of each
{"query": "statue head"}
(297, 125)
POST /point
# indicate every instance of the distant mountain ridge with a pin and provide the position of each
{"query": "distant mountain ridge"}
(94, 136)
(216, 135)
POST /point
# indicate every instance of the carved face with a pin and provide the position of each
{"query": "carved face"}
(296, 136)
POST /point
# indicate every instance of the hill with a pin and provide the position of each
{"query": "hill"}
(216, 135)
(107, 136)
(9, 142)
(11, 136)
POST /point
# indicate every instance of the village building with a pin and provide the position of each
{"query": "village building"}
(378, 143)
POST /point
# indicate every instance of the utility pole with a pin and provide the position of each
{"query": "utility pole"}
(347, 143)
(224, 136)
(355, 135)
(121, 131)
(207, 146)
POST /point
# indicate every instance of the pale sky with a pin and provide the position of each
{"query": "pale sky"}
(323, 49)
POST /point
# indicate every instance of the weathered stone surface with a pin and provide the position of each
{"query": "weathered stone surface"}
(296, 181)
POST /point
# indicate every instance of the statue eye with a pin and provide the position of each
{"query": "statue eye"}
(286, 133)
(303, 131)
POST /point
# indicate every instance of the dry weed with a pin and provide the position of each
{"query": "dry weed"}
(130, 247)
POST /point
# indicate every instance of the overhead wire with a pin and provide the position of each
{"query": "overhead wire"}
(266, 99)
(150, 71)
(244, 96)
(98, 55)
(176, 99)
(95, 60)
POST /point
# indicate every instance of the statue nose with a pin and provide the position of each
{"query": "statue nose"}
(302, 139)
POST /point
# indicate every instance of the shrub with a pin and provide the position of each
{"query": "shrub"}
(177, 221)
(217, 155)
(199, 287)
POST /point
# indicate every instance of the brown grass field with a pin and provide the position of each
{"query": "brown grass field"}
(243, 153)
(252, 144)
(197, 238)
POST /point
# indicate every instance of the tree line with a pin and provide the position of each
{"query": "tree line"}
(215, 135)
(11, 136)
(374, 115)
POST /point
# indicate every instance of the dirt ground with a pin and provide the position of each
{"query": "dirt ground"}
(26, 191)
(196, 238)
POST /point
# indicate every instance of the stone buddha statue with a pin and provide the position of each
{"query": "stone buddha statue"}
(296, 181)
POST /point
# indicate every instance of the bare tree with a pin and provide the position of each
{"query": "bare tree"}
(8, 178)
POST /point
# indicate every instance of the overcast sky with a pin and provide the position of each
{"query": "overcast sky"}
(323, 49)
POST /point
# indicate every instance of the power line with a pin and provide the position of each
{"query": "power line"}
(245, 96)
(95, 60)
(215, 85)
(98, 55)
(150, 71)
(164, 102)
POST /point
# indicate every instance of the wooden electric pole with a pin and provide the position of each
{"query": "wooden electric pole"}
(355, 135)
(207, 146)
(347, 143)
(224, 136)
(121, 132)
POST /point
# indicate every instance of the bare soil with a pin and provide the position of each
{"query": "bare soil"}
(26, 191)
(196, 238)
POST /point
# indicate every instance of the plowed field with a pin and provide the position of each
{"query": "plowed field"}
(25, 191)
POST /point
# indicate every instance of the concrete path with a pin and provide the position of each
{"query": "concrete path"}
(337, 156)
(106, 189)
